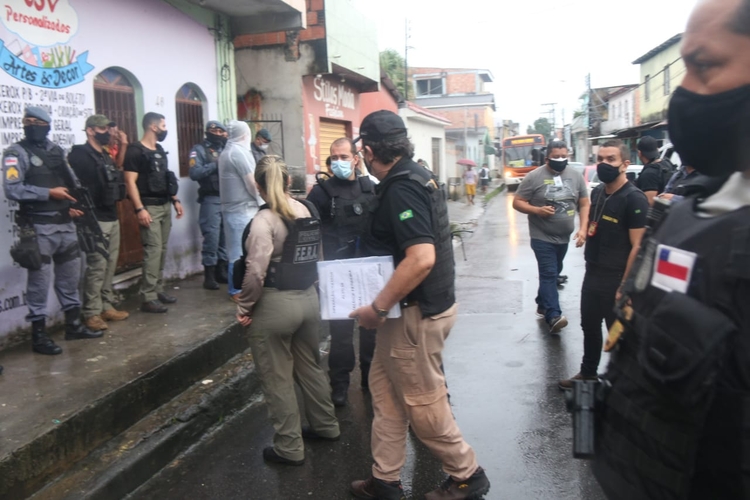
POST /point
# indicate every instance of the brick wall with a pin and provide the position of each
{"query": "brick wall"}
(458, 81)
(316, 30)
(460, 118)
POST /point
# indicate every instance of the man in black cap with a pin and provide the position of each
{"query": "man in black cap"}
(656, 174)
(204, 168)
(98, 173)
(407, 382)
(36, 175)
(259, 146)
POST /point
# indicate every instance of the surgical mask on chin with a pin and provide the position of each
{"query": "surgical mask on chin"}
(558, 165)
(607, 173)
(342, 169)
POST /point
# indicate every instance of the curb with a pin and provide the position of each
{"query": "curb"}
(132, 458)
(29, 468)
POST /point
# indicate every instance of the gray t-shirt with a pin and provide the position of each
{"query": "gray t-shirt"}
(541, 187)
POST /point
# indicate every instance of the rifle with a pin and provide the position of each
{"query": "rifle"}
(90, 235)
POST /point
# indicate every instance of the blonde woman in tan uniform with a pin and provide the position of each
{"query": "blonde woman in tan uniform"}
(280, 306)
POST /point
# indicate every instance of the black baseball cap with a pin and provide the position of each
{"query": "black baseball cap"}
(381, 125)
(648, 147)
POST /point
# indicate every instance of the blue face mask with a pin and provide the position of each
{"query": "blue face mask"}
(342, 169)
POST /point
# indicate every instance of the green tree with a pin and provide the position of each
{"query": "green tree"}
(393, 64)
(541, 126)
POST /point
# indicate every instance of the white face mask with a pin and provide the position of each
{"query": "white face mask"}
(263, 147)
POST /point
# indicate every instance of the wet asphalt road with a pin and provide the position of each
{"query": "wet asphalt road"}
(502, 368)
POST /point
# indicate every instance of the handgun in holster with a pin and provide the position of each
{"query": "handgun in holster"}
(26, 251)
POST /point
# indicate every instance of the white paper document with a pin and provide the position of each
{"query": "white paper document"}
(346, 285)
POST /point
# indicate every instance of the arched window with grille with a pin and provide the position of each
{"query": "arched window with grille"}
(190, 125)
(117, 94)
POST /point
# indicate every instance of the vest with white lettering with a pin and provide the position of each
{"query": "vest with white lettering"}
(298, 268)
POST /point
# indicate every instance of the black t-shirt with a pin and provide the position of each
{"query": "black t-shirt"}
(92, 178)
(136, 161)
(651, 178)
(615, 215)
(403, 219)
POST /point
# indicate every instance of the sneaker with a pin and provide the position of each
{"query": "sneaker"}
(270, 455)
(115, 315)
(377, 489)
(557, 324)
(567, 385)
(96, 323)
(473, 488)
(540, 311)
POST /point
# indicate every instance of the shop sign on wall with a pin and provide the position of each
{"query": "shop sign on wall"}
(336, 98)
(40, 56)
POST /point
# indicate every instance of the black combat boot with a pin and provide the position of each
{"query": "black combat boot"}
(75, 329)
(209, 278)
(222, 272)
(40, 342)
(377, 489)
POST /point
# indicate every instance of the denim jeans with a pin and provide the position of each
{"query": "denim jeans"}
(234, 226)
(549, 258)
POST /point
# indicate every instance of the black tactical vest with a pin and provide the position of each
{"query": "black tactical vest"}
(210, 185)
(157, 181)
(111, 178)
(47, 169)
(438, 291)
(675, 424)
(298, 268)
(349, 217)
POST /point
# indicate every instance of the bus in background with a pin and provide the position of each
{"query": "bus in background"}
(521, 155)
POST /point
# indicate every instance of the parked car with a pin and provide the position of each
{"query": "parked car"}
(632, 173)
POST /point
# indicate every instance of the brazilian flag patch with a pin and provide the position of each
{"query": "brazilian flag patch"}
(406, 214)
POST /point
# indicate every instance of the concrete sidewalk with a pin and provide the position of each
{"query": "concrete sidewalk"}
(55, 410)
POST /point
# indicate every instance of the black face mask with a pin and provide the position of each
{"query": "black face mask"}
(218, 140)
(607, 173)
(36, 133)
(557, 165)
(103, 138)
(709, 131)
(161, 135)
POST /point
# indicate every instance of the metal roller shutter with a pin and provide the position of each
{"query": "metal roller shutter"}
(329, 131)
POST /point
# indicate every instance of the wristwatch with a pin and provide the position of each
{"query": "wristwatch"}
(382, 313)
(176, 200)
(139, 209)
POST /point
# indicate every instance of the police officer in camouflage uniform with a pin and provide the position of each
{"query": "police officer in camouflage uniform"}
(204, 168)
(36, 175)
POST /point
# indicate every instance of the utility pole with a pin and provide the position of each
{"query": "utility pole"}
(552, 112)
(406, 59)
